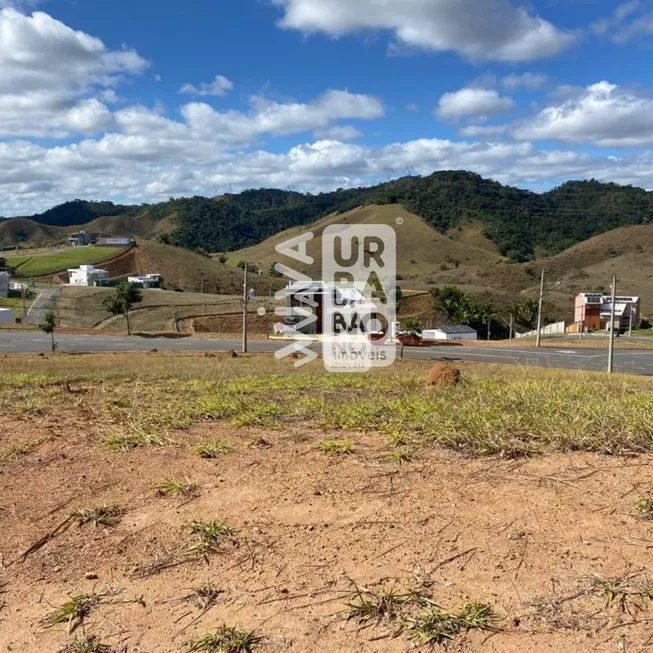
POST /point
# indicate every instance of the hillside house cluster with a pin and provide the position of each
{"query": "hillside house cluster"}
(83, 238)
(593, 311)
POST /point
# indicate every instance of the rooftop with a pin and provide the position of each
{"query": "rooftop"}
(452, 329)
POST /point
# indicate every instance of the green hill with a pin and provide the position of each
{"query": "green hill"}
(519, 223)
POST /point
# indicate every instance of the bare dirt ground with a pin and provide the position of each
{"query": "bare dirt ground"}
(552, 543)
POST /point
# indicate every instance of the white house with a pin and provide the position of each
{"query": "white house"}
(85, 275)
(147, 281)
(450, 332)
(4, 284)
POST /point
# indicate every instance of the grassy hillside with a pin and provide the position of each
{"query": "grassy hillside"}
(82, 307)
(23, 230)
(185, 270)
(421, 249)
(44, 264)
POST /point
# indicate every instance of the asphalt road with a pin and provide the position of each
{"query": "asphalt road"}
(42, 304)
(626, 361)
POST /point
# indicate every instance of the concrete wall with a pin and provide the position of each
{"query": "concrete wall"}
(549, 330)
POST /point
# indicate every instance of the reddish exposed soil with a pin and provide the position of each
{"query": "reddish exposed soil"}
(306, 524)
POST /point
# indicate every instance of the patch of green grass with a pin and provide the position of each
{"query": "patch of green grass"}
(37, 266)
(499, 411)
(337, 447)
(18, 449)
(225, 640)
(135, 438)
(178, 488)
(209, 537)
(624, 592)
(402, 456)
(377, 605)
(73, 612)
(213, 449)
(435, 626)
(85, 644)
(240, 409)
(32, 406)
(644, 507)
(98, 516)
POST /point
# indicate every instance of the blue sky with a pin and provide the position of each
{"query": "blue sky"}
(138, 101)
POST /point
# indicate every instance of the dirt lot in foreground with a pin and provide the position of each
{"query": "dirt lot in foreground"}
(536, 539)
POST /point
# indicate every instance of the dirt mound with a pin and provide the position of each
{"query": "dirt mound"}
(441, 375)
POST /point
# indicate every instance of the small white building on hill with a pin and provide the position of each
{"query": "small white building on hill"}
(147, 281)
(85, 275)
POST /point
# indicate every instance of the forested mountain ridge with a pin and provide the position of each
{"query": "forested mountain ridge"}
(519, 222)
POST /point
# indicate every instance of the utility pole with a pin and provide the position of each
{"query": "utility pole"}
(539, 312)
(630, 323)
(24, 297)
(612, 315)
(245, 300)
(512, 321)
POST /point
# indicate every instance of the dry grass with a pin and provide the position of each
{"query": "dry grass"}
(85, 644)
(73, 612)
(225, 640)
(135, 437)
(435, 626)
(498, 411)
(338, 447)
(213, 449)
(183, 488)
(209, 537)
(98, 516)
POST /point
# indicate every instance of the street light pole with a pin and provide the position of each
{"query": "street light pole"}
(245, 299)
(612, 316)
(539, 312)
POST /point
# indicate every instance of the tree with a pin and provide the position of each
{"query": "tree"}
(273, 272)
(222, 258)
(121, 301)
(451, 301)
(49, 325)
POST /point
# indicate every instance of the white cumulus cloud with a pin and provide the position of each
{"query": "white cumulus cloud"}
(218, 87)
(603, 114)
(48, 73)
(477, 29)
(473, 102)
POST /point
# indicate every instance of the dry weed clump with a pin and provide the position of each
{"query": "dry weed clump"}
(416, 612)
(225, 640)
